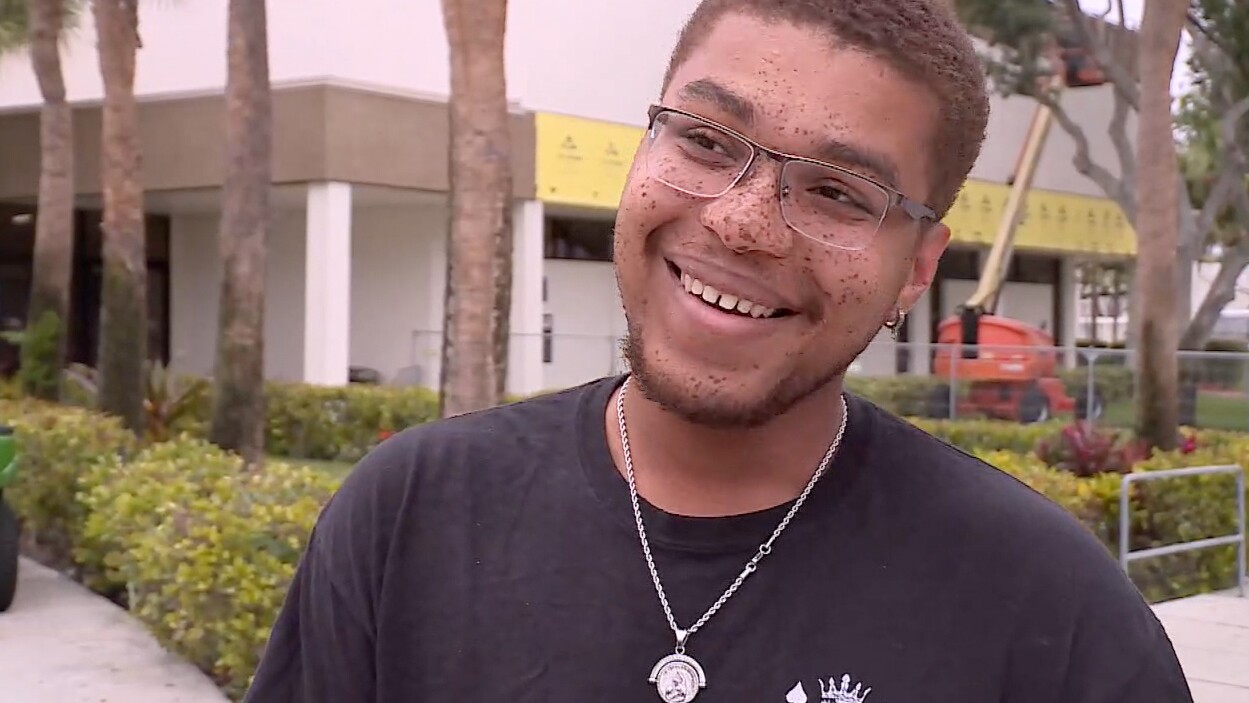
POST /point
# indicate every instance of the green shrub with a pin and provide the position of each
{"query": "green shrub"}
(988, 435)
(125, 498)
(57, 446)
(40, 373)
(10, 389)
(904, 395)
(329, 423)
(1172, 510)
(206, 551)
(1111, 379)
(1163, 512)
(340, 423)
(1085, 498)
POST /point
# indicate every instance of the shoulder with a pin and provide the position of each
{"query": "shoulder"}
(461, 452)
(1048, 568)
(473, 442)
(980, 507)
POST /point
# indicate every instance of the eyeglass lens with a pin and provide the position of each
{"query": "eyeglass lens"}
(831, 206)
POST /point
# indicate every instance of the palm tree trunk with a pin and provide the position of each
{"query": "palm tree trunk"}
(123, 310)
(48, 313)
(238, 418)
(1157, 417)
(479, 251)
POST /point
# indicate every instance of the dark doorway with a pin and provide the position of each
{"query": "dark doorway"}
(17, 236)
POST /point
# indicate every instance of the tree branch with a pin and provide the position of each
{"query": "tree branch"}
(1118, 131)
(1116, 188)
(1221, 292)
(1231, 174)
(1195, 22)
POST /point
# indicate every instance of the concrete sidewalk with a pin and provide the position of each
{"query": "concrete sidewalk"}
(61, 643)
(1211, 636)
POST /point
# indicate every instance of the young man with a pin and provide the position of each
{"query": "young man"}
(726, 523)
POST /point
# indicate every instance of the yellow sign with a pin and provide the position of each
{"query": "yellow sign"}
(1057, 222)
(585, 162)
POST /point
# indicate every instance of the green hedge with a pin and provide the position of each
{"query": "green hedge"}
(199, 549)
(56, 446)
(909, 395)
(302, 421)
(340, 423)
(204, 550)
(1163, 512)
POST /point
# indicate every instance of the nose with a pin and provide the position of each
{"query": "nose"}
(748, 217)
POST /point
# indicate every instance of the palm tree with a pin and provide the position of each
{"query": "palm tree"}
(479, 257)
(1158, 220)
(238, 407)
(123, 309)
(13, 21)
(43, 351)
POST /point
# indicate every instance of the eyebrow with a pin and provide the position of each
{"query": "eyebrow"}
(832, 150)
(857, 157)
(707, 90)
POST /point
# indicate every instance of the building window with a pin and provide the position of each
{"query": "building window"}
(578, 239)
(1035, 268)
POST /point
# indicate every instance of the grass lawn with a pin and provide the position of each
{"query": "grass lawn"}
(1216, 412)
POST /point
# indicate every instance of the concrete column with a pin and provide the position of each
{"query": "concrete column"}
(1069, 302)
(525, 372)
(327, 284)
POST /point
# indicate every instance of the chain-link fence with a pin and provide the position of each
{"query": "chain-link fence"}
(1018, 384)
(1029, 384)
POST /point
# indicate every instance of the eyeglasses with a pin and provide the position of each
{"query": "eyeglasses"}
(827, 203)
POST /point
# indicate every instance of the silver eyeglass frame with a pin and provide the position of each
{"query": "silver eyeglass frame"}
(894, 198)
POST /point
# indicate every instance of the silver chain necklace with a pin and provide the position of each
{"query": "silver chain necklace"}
(678, 676)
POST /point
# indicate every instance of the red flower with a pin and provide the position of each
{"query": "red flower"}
(383, 435)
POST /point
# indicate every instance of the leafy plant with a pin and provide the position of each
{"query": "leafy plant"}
(170, 402)
(1083, 449)
(39, 373)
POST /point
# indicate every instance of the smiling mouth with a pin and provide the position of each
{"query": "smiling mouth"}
(725, 302)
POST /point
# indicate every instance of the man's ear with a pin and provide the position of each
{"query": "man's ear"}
(933, 240)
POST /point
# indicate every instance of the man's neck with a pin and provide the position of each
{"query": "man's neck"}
(689, 469)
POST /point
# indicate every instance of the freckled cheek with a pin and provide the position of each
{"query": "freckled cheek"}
(852, 286)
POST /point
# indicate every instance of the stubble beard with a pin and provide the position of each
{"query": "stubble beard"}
(678, 395)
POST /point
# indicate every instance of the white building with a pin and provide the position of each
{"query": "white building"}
(357, 256)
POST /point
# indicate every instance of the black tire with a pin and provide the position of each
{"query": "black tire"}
(1033, 406)
(8, 556)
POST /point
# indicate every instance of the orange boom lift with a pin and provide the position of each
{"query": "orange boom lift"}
(1008, 367)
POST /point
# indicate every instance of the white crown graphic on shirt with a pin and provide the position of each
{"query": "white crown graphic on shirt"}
(843, 694)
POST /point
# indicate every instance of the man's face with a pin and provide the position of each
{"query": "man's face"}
(790, 89)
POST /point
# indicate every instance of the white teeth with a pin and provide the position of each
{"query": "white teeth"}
(726, 301)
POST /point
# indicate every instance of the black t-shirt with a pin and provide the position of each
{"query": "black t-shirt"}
(494, 557)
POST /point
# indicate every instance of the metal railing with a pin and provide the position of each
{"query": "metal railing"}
(1127, 556)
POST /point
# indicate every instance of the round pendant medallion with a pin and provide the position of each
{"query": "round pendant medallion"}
(678, 678)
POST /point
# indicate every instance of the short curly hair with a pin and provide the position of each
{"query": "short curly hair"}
(921, 39)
